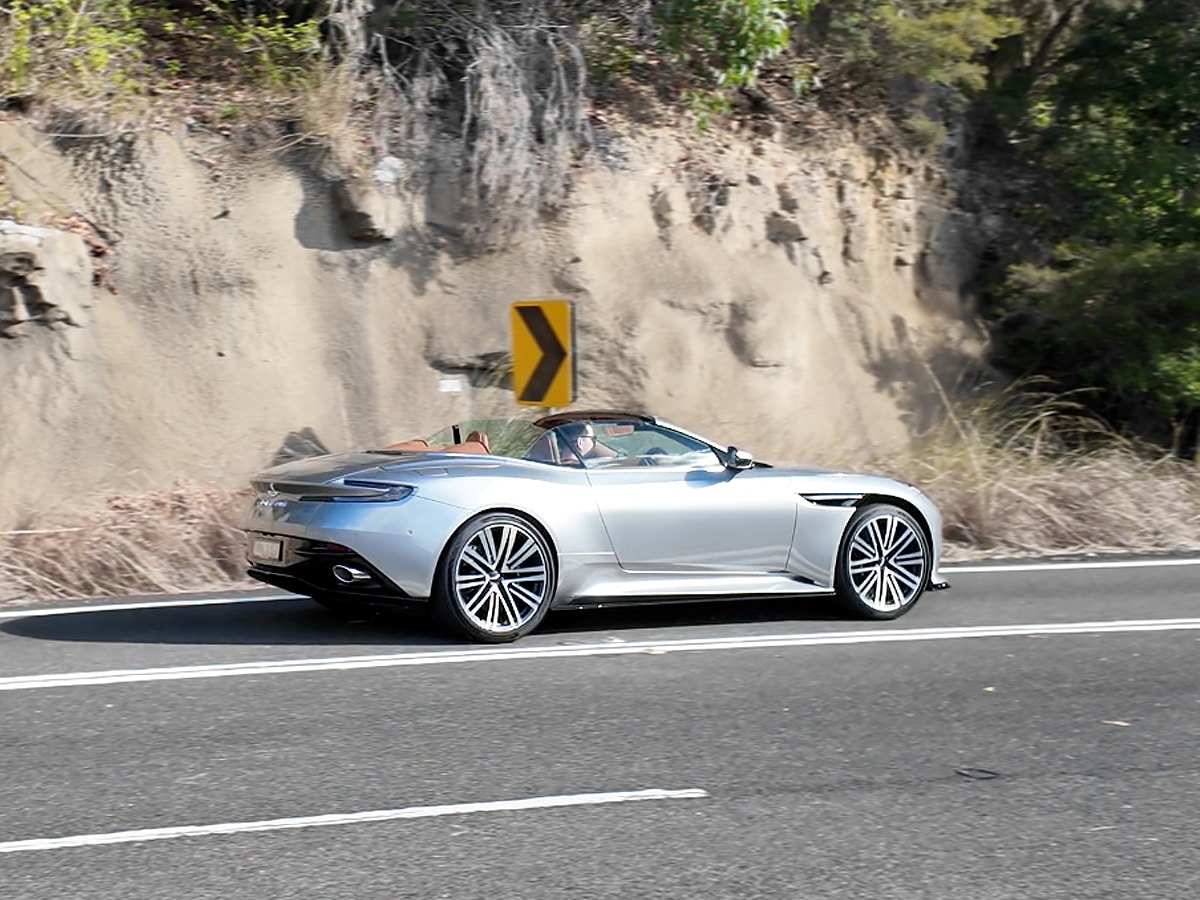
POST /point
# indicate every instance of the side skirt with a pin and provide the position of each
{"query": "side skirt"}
(611, 588)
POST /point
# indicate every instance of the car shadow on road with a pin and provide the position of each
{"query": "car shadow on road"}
(693, 613)
(300, 622)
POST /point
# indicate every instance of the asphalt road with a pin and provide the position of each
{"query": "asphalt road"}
(1020, 736)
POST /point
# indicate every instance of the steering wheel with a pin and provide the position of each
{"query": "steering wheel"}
(648, 457)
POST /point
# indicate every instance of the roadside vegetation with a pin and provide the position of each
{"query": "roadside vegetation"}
(183, 539)
(1081, 118)
(1027, 472)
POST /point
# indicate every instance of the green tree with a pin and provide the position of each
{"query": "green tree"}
(1122, 320)
(1115, 120)
(864, 43)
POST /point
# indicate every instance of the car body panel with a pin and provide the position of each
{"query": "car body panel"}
(696, 519)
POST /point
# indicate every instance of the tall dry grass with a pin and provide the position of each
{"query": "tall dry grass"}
(170, 541)
(1024, 472)
(1017, 474)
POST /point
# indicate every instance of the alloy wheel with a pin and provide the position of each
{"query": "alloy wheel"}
(501, 577)
(886, 564)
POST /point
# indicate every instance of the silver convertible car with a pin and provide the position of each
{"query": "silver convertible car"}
(492, 524)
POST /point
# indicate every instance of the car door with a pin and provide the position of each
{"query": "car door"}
(693, 514)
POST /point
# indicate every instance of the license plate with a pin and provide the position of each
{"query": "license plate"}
(265, 549)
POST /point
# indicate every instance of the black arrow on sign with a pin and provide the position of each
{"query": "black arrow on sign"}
(553, 353)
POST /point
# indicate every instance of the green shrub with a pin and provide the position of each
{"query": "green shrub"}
(728, 40)
(92, 46)
(1121, 319)
(102, 51)
(925, 133)
(726, 43)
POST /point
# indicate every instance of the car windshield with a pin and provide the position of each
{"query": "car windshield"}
(619, 443)
(592, 443)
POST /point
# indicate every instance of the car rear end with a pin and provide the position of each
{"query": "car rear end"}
(346, 528)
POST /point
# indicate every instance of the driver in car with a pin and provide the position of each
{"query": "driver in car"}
(583, 443)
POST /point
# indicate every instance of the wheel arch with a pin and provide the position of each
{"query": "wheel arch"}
(901, 503)
(504, 510)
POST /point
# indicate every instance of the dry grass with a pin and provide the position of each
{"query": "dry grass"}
(1023, 473)
(1104, 501)
(172, 541)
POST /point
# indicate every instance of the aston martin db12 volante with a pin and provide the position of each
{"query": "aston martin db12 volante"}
(491, 524)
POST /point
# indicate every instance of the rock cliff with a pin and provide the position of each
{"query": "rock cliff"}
(189, 305)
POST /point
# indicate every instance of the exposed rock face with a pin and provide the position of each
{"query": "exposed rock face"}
(795, 305)
(45, 279)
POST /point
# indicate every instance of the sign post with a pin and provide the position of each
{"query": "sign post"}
(543, 359)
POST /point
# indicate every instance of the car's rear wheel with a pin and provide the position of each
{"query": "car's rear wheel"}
(496, 579)
(884, 563)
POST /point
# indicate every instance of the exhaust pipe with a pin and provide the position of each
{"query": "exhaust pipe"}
(350, 575)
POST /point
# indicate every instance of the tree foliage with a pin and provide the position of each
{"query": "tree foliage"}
(864, 43)
(943, 41)
(97, 46)
(1121, 318)
(728, 41)
(1114, 119)
(100, 51)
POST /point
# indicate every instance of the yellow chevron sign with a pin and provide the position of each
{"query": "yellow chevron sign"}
(543, 363)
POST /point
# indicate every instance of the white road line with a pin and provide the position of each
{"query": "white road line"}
(34, 612)
(1071, 566)
(628, 648)
(31, 612)
(378, 815)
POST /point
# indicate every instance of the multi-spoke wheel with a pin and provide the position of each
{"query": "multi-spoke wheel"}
(884, 563)
(496, 579)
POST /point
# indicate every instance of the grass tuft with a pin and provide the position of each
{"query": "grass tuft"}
(171, 541)
(1025, 472)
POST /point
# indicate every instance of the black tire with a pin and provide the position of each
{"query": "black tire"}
(496, 579)
(884, 563)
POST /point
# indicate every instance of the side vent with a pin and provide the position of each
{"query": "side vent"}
(832, 499)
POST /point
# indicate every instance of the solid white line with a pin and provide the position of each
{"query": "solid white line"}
(1071, 566)
(378, 815)
(33, 612)
(512, 654)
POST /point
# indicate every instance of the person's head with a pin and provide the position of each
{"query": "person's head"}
(582, 438)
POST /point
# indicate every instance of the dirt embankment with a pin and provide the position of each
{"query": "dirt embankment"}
(793, 301)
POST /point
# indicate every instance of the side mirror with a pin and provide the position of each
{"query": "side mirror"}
(738, 459)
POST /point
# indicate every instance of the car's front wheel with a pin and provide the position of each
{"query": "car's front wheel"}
(884, 563)
(496, 579)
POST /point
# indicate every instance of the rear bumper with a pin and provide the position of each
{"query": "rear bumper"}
(309, 567)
